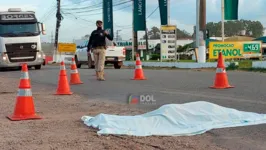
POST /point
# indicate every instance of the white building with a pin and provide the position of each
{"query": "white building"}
(152, 43)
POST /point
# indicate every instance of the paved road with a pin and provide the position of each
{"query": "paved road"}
(175, 86)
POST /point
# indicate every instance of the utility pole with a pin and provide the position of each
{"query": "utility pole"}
(52, 37)
(146, 38)
(197, 22)
(117, 34)
(222, 9)
(202, 20)
(202, 28)
(135, 44)
(201, 25)
(58, 22)
(52, 43)
(135, 35)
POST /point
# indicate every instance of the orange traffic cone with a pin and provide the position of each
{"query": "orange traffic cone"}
(221, 80)
(74, 77)
(63, 86)
(139, 75)
(24, 109)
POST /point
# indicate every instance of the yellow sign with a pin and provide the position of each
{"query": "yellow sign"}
(246, 49)
(168, 42)
(67, 47)
(168, 27)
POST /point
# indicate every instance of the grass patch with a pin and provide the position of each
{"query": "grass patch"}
(232, 66)
(262, 70)
(192, 61)
(245, 66)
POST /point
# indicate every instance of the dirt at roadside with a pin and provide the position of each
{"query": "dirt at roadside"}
(61, 126)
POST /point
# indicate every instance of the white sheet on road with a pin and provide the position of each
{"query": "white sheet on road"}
(175, 120)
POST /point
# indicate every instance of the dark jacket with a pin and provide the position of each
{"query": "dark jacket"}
(97, 39)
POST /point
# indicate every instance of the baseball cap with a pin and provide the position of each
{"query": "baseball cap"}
(99, 21)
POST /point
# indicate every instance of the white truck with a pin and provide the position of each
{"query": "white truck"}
(114, 55)
(20, 39)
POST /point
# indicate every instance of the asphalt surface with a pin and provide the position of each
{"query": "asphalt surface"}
(173, 86)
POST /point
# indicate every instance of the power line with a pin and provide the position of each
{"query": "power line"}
(100, 8)
(83, 7)
(101, 12)
(74, 22)
(49, 11)
(124, 27)
(59, 17)
(76, 3)
(49, 15)
(77, 17)
(152, 12)
(90, 6)
(130, 26)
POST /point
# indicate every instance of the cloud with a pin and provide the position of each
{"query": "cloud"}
(27, 5)
(23, 7)
(246, 9)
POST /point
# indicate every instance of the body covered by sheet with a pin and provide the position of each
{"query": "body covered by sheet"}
(175, 120)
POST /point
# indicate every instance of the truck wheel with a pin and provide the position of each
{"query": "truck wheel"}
(38, 67)
(90, 63)
(117, 65)
(77, 62)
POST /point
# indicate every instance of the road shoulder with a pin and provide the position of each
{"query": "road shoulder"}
(62, 128)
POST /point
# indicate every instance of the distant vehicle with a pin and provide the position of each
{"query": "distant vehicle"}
(20, 39)
(114, 55)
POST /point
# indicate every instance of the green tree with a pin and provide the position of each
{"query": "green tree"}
(182, 34)
(154, 33)
(233, 28)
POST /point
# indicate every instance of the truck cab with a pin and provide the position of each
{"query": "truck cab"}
(20, 39)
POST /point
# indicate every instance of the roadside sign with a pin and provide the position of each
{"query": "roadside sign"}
(230, 50)
(168, 42)
(67, 47)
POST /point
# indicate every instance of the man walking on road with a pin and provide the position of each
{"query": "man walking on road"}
(97, 45)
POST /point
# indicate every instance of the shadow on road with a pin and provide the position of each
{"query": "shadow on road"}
(30, 68)
(10, 69)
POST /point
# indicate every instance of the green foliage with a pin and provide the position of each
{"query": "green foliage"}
(155, 56)
(262, 70)
(232, 66)
(182, 34)
(185, 57)
(154, 33)
(233, 28)
(184, 48)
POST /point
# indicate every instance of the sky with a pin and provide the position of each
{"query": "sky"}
(76, 25)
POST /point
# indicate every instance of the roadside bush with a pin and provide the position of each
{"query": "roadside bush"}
(185, 57)
(155, 56)
(232, 66)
